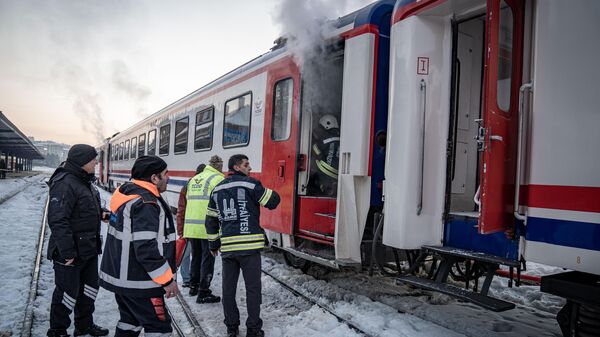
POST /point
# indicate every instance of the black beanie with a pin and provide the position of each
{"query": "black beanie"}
(145, 166)
(81, 154)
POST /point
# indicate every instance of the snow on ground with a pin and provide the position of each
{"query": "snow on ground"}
(20, 220)
(375, 304)
(11, 186)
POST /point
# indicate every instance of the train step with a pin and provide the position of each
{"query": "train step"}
(487, 302)
(472, 255)
(576, 286)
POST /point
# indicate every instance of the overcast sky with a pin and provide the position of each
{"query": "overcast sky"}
(65, 62)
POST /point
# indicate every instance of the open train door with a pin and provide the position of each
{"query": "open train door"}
(498, 132)
(280, 142)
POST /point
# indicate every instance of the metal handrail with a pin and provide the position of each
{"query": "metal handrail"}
(423, 89)
(524, 87)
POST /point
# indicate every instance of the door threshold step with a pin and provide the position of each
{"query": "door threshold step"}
(473, 255)
(487, 302)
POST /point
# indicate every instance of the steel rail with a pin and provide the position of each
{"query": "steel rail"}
(28, 318)
(310, 300)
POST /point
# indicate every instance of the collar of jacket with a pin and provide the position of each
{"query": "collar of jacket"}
(147, 185)
(237, 173)
(214, 170)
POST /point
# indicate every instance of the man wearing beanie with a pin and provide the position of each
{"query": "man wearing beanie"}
(138, 263)
(74, 215)
(202, 268)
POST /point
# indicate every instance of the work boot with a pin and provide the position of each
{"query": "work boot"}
(232, 332)
(210, 298)
(92, 330)
(193, 289)
(57, 333)
(255, 333)
(185, 284)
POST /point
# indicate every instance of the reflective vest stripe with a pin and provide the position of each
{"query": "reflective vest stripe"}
(316, 149)
(331, 139)
(138, 236)
(235, 184)
(162, 275)
(212, 212)
(199, 197)
(243, 246)
(327, 169)
(241, 238)
(265, 197)
(127, 283)
(213, 237)
(195, 221)
(128, 327)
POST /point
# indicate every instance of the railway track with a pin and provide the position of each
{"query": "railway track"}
(315, 302)
(14, 193)
(28, 318)
(197, 330)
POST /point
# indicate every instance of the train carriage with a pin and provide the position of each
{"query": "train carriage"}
(492, 142)
(269, 110)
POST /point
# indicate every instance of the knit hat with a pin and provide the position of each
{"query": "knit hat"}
(145, 166)
(81, 154)
(214, 160)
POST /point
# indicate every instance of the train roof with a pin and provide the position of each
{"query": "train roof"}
(371, 14)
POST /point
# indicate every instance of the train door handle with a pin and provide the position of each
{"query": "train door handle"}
(281, 169)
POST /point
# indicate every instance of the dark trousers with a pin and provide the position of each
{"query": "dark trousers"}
(250, 267)
(202, 266)
(139, 313)
(76, 287)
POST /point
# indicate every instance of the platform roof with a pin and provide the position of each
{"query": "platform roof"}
(14, 142)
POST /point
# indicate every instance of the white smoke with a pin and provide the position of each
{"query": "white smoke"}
(124, 81)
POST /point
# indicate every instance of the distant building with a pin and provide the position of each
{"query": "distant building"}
(54, 152)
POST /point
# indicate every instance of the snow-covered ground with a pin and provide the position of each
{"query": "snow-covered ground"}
(375, 304)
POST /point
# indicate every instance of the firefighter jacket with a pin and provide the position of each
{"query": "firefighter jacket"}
(232, 218)
(139, 255)
(73, 215)
(326, 151)
(198, 194)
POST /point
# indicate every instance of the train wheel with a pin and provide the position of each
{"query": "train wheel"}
(296, 262)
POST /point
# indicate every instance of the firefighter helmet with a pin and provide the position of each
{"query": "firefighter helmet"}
(329, 122)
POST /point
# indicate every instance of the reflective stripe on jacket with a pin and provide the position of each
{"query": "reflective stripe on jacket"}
(234, 212)
(199, 189)
(139, 255)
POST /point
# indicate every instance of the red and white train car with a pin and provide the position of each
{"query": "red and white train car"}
(268, 109)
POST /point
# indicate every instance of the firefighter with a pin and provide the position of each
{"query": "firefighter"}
(203, 263)
(74, 215)
(326, 154)
(138, 264)
(232, 224)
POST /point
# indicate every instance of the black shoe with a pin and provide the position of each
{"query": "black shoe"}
(255, 333)
(92, 330)
(232, 332)
(193, 290)
(57, 333)
(210, 298)
(185, 284)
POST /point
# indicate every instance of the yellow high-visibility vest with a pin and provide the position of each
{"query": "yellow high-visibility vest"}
(198, 194)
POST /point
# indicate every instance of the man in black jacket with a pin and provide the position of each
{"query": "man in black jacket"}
(74, 215)
(234, 211)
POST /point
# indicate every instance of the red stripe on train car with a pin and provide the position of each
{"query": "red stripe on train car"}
(572, 198)
(413, 9)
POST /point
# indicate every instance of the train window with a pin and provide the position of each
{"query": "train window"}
(281, 121)
(142, 144)
(152, 142)
(163, 140)
(204, 129)
(505, 42)
(181, 135)
(133, 147)
(236, 127)
(126, 154)
(121, 151)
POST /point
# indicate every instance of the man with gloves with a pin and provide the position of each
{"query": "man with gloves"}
(74, 215)
(138, 264)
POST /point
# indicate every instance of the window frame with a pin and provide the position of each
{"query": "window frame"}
(249, 122)
(153, 131)
(126, 150)
(133, 149)
(168, 139)
(143, 147)
(291, 110)
(121, 150)
(212, 129)
(187, 136)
